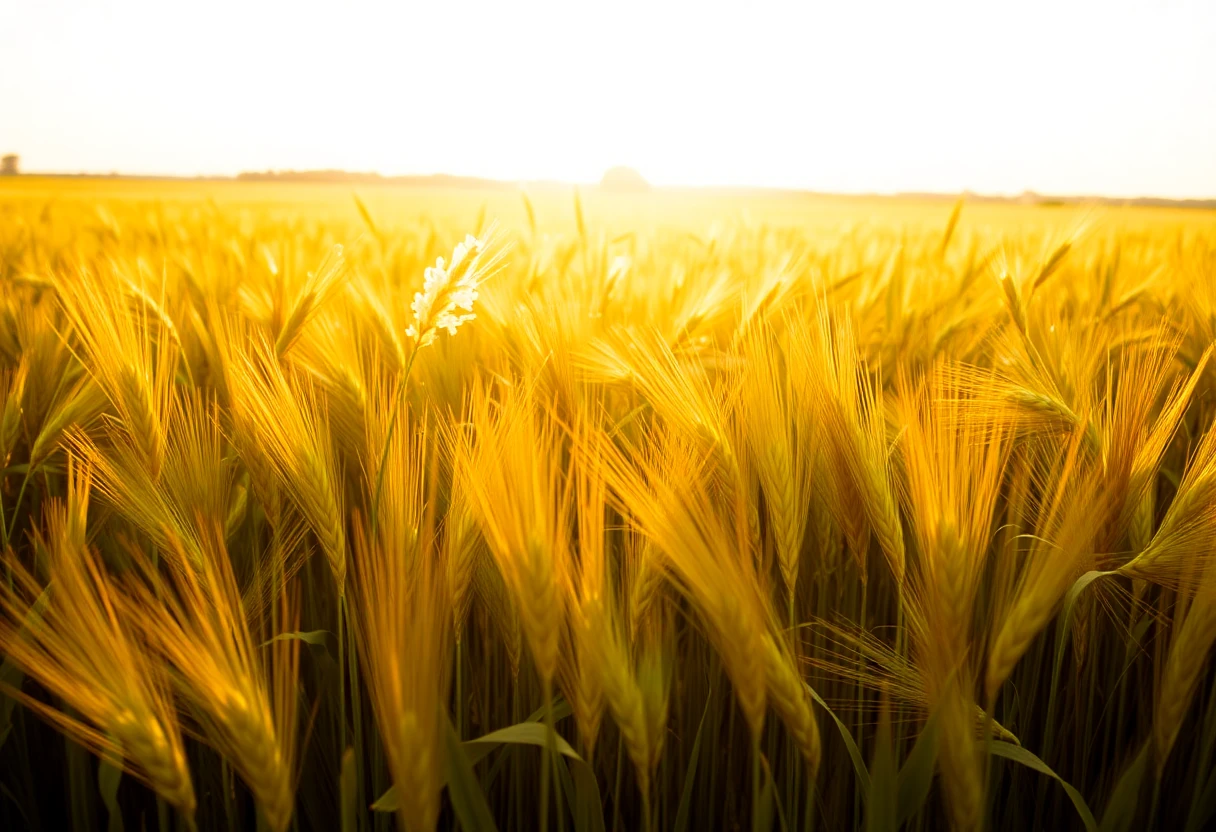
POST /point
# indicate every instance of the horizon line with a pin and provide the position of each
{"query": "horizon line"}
(319, 176)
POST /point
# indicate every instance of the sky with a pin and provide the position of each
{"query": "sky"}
(1110, 98)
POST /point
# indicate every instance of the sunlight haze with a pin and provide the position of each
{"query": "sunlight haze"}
(1069, 98)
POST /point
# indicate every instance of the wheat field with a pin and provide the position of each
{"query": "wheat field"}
(325, 510)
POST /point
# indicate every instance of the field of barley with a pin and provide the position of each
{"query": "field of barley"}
(334, 510)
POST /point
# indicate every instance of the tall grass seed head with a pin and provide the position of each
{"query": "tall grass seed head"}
(448, 294)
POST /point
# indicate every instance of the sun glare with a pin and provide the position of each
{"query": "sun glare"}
(1113, 98)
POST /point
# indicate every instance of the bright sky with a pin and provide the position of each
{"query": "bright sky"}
(1110, 97)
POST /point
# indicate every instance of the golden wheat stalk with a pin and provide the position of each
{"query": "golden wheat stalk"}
(245, 706)
(779, 428)
(74, 640)
(791, 700)
(12, 391)
(317, 287)
(645, 582)
(953, 473)
(1188, 658)
(522, 504)
(127, 354)
(667, 496)
(587, 586)
(1188, 525)
(1061, 551)
(962, 758)
(460, 558)
(623, 695)
(850, 405)
(284, 425)
(400, 620)
(82, 404)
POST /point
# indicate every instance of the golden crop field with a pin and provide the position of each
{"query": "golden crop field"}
(339, 510)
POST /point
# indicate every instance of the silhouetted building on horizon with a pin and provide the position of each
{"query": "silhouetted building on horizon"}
(9, 164)
(624, 180)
